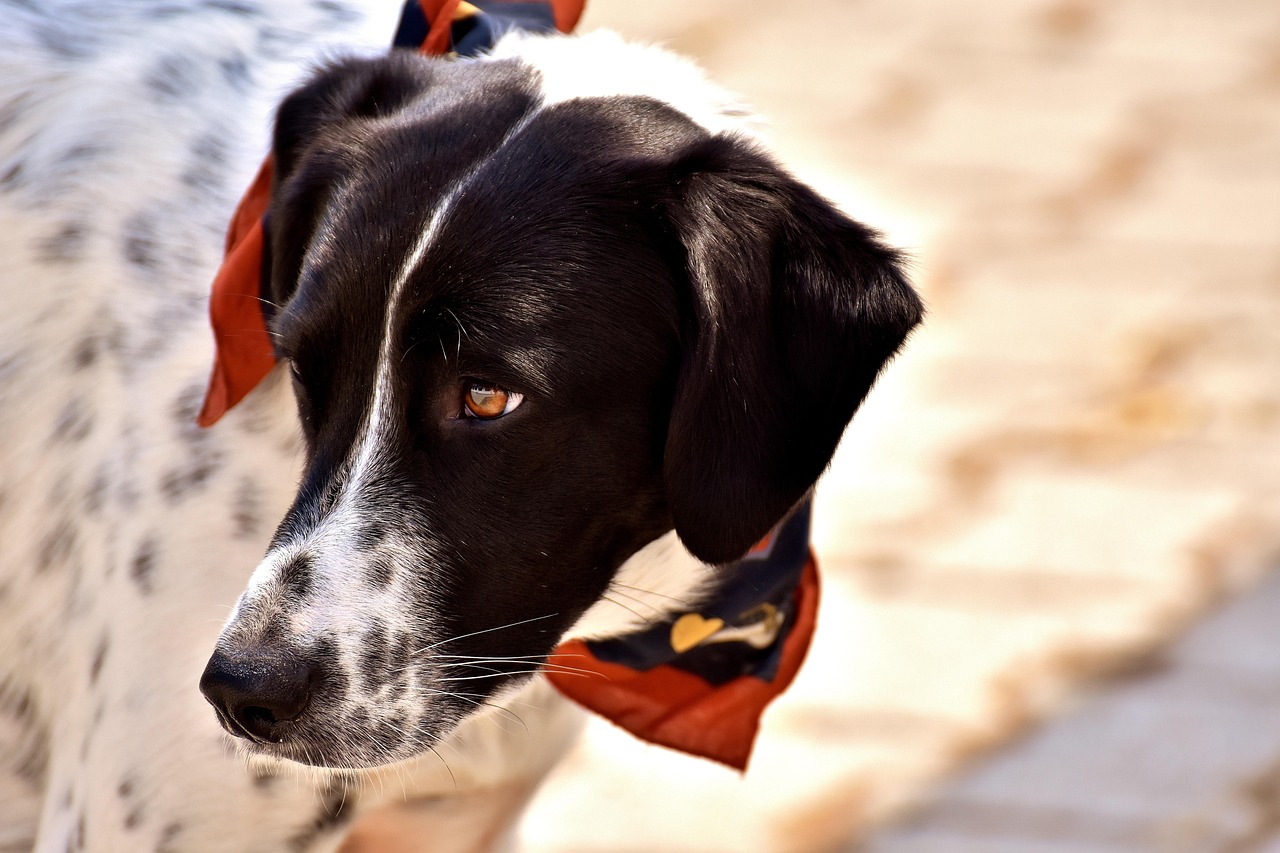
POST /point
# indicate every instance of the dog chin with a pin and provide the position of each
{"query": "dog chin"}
(316, 754)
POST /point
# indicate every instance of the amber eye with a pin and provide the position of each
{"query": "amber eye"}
(484, 401)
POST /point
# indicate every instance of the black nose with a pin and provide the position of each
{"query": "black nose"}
(256, 692)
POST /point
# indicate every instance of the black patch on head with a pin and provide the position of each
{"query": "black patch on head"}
(142, 567)
(297, 577)
(99, 658)
(173, 77)
(64, 246)
(74, 422)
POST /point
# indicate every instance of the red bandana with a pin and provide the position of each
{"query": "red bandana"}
(698, 682)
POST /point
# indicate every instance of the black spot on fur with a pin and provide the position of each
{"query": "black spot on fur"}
(56, 546)
(143, 567)
(85, 355)
(99, 658)
(180, 483)
(235, 7)
(12, 177)
(208, 164)
(298, 577)
(141, 244)
(173, 77)
(372, 533)
(337, 11)
(30, 761)
(133, 818)
(95, 494)
(12, 111)
(82, 152)
(380, 571)
(185, 408)
(246, 512)
(168, 837)
(78, 840)
(203, 457)
(235, 70)
(375, 665)
(64, 246)
(74, 422)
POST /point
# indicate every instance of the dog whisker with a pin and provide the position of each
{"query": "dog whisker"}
(681, 601)
(657, 611)
(545, 667)
(637, 613)
(485, 631)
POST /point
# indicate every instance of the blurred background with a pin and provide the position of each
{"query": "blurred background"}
(1051, 617)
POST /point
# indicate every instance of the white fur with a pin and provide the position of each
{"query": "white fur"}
(601, 64)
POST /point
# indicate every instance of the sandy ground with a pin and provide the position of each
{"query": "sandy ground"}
(1075, 461)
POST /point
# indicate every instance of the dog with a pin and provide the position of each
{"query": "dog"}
(550, 323)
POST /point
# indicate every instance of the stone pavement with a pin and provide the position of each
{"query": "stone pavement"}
(1182, 755)
(1077, 457)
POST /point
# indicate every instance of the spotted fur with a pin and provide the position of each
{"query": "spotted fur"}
(587, 222)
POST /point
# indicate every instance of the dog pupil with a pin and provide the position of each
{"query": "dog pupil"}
(486, 401)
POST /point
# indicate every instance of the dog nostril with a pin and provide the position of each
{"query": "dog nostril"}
(255, 693)
(257, 717)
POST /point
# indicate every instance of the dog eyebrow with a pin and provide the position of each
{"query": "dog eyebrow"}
(480, 346)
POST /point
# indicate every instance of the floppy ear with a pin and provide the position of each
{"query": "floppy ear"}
(316, 128)
(793, 310)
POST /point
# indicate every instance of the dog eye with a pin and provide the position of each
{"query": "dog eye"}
(485, 401)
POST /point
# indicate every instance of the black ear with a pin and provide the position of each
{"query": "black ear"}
(794, 309)
(317, 128)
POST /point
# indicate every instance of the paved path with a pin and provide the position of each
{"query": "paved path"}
(1078, 456)
(1182, 755)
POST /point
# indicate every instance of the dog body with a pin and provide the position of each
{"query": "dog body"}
(502, 291)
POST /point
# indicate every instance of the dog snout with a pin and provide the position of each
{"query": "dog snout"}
(257, 693)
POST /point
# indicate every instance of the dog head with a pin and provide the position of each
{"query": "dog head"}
(530, 334)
